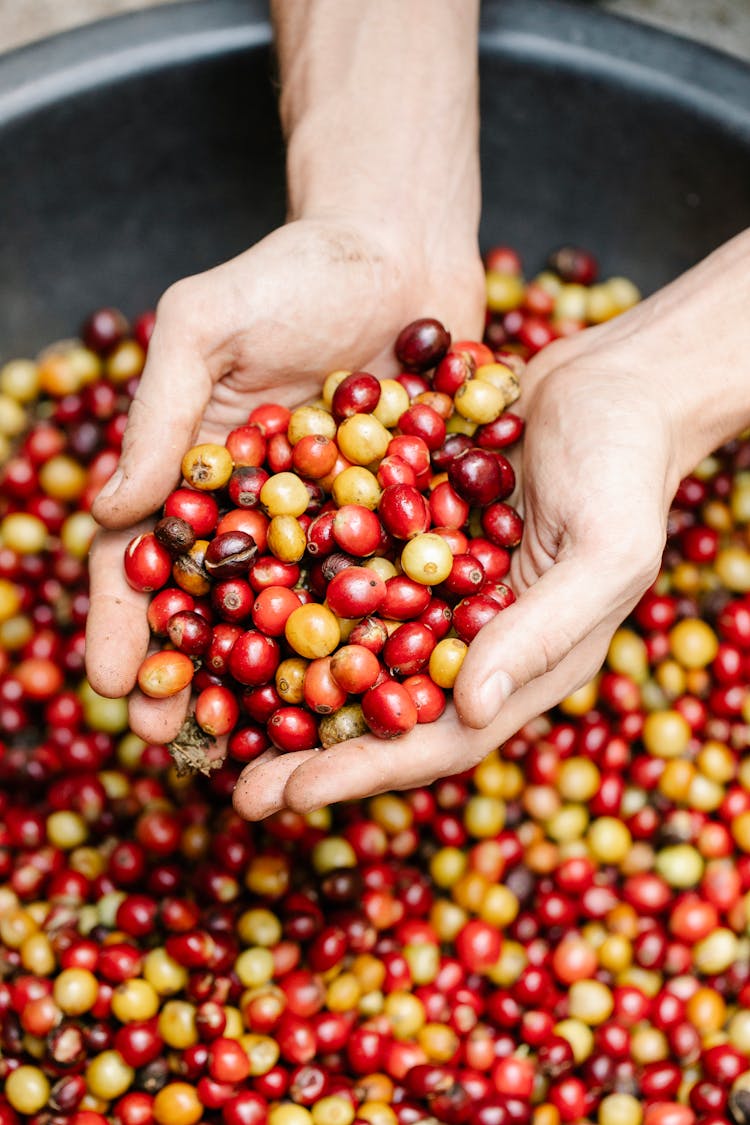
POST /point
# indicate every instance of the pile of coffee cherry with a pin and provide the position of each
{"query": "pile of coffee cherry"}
(335, 560)
(559, 935)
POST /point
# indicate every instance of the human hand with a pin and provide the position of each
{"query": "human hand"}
(614, 418)
(267, 325)
(596, 485)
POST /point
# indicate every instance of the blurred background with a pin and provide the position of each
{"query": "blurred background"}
(721, 23)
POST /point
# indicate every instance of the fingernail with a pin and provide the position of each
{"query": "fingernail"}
(110, 488)
(495, 691)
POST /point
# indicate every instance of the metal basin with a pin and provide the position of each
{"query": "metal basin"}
(145, 148)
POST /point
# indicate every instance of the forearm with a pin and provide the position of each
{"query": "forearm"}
(691, 344)
(702, 322)
(379, 108)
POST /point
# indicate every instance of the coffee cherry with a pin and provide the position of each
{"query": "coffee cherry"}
(403, 511)
(389, 710)
(254, 658)
(422, 344)
(174, 534)
(427, 559)
(229, 555)
(189, 632)
(164, 674)
(358, 393)
(355, 592)
(207, 467)
(148, 564)
(198, 509)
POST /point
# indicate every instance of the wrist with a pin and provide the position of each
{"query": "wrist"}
(379, 106)
(688, 346)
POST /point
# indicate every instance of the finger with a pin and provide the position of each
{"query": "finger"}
(530, 638)
(158, 720)
(117, 632)
(260, 788)
(368, 765)
(163, 421)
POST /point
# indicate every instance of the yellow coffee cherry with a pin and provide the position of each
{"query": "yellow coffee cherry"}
(284, 494)
(308, 420)
(363, 439)
(620, 1109)
(666, 734)
(208, 466)
(590, 1001)
(392, 403)
(504, 291)
(27, 1089)
(479, 401)
(286, 539)
(445, 661)
(609, 840)
(23, 533)
(680, 865)
(627, 655)
(19, 379)
(108, 1076)
(427, 559)
(693, 642)
(357, 485)
(733, 568)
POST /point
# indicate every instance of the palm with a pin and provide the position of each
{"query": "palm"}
(269, 325)
(595, 545)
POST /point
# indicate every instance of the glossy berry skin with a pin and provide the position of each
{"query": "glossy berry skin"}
(254, 658)
(247, 446)
(293, 728)
(217, 711)
(453, 371)
(404, 511)
(272, 608)
(404, 598)
(408, 649)
(230, 555)
(466, 577)
(355, 591)
(447, 508)
(503, 432)
(479, 478)
(148, 565)
(472, 614)
(199, 509)
(358, 393)
(389, 710)
(502, 525)
(395, 470)
(189, 633)
(426, 696)
(422, 344)
(164, 674)
(357, 530)
(355, 668)
(422, 421)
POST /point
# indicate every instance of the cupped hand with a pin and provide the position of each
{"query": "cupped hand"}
(597, 477)
(315, 295)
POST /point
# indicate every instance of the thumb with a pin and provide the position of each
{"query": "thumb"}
(532, 636)
(164, 417)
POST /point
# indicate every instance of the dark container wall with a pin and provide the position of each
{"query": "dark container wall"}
(145, 148)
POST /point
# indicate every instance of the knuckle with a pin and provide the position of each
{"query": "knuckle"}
(177, 302)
